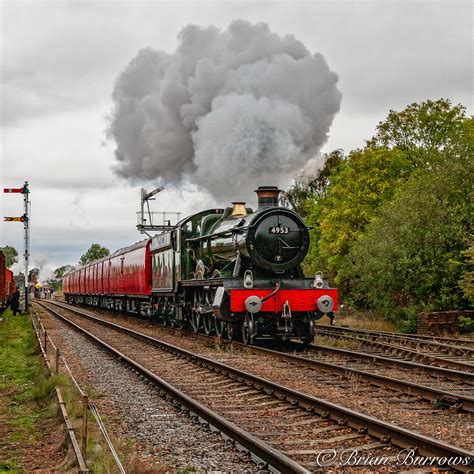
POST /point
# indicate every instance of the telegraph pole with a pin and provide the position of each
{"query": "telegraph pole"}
(26, 226)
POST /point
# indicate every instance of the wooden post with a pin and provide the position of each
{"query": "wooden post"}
(85, 412)
(57, 360)
(45, 342)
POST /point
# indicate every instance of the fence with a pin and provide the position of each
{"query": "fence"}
(52, 353)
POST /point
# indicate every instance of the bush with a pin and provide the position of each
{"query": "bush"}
(466, 325)
(407, 320)
(412, 254)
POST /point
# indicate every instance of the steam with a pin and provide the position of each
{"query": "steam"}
(229, 110)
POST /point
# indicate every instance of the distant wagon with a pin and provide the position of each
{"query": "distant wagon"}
(7, 283)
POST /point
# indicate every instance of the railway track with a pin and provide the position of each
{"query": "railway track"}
(281, 427)
(454, 341)
(406, 347)
(444, 388)
(455, 382)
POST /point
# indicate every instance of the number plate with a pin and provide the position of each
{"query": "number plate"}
(279, 230)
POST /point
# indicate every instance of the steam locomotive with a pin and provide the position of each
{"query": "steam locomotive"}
(232, 272)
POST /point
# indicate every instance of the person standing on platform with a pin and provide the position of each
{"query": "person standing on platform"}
(15, 302)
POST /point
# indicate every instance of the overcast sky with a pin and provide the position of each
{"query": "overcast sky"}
(60, 60)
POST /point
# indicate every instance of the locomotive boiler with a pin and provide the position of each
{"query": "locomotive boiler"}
(271, 240)
(232, 272)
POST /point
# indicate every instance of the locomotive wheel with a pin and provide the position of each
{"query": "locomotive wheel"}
(195, 314)
(248, 329)
(232, 331)
(195, 320)
(208, 325)
(309, 337)
(220, 327)
(164, 313)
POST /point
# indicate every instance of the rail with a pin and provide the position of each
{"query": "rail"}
(446, 343)
(260, 450)
(414, 354)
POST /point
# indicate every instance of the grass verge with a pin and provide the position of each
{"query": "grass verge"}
(29, 426)
(360, 320)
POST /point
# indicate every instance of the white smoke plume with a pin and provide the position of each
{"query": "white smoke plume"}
(229, 110)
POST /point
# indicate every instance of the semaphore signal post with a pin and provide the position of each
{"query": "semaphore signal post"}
(25, 219)
(146, 220)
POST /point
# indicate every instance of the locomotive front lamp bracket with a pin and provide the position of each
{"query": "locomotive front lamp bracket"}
(318, 280)
(248, 279)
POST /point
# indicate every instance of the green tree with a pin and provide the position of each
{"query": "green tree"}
(466, 282)
(422, 130)
(365, 180)
(55, 284)
(420, 138)
(314, 187)
(412, 254)
(11, 255)
(95, 252)
(59, 272)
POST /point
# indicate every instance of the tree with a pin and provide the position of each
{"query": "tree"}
(11, 255)
(314, 187)
(421, 130)
(55, 284)
(413, 253)
(466, 282)
(421, 138)
(59, 272)
(365, 180)
(95, 252)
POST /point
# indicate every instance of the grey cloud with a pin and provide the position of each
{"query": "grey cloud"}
(58, 58)
(393, 54)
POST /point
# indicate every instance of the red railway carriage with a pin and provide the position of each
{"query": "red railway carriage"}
(7, 283)
(121, 281)
(2, 282)
(10, 284)
(130, 270)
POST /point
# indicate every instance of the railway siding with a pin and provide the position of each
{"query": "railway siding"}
(427, 352)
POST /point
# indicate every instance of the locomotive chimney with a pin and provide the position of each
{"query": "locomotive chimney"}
(267, 196)
(238, 209)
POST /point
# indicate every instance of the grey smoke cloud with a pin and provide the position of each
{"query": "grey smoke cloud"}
(228, 110)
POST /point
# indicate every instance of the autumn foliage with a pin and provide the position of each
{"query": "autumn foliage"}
(393, 220)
